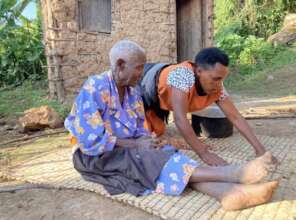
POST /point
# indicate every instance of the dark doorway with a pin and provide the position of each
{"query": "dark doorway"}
(190, 30)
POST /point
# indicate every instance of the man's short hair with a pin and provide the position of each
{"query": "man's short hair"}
(208, 57)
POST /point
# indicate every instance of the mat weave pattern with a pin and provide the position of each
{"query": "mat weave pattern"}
(56, 169)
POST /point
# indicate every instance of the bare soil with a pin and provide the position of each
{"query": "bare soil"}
(71, 204)
(64, 204)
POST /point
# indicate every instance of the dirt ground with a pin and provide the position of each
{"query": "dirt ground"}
(46, 204)
(70, 204)
(43, 204)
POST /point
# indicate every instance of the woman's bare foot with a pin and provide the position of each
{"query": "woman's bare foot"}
(255, 170)
(244, 196)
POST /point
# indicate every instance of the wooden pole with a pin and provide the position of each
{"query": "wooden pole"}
(56, 87)
(59, 82)
(207, 22)
(45, 21)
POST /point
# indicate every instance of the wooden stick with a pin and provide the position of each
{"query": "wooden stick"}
(70, 39)
(52, 39)
(269, 117)
(50, 44)
(32, 136)
(54, 29)
(55, 80)
(25, 187)
(48, 66)
(87, 54)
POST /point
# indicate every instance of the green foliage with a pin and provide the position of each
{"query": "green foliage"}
(247, 54)
(268, 22)
(260, 18)
(242, 29)
(231, 43)
(289, 5)
(21, 48)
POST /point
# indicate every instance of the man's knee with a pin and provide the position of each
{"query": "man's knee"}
(212, 127)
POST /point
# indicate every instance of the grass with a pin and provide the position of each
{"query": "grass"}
(277, 79)
(13, 102)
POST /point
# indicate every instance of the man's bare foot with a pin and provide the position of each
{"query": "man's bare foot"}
(248, 173)
(255, 170)
(245, 196)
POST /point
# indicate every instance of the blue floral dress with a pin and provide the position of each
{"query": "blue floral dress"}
(98, 118)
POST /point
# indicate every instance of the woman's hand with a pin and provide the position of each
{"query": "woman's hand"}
(145, 142)
(149, 142)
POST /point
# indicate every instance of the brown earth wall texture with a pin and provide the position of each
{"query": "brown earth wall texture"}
(150, 23)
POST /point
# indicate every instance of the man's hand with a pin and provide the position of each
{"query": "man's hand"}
(209, 158)
(274, 159)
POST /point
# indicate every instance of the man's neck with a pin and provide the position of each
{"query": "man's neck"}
(200, 91)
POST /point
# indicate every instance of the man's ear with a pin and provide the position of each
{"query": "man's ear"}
(120, 63)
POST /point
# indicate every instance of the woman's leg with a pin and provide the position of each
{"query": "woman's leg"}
(248, 173)
(237, 196)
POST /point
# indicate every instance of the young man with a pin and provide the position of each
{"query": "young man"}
(189, 87)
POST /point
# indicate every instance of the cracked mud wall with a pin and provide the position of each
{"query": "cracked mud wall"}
(73, 55)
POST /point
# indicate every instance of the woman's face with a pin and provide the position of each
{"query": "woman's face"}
(211, 79)
(130, 71)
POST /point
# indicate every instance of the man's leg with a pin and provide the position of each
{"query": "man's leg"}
(213, 121)
(195, 123)
(250, 172)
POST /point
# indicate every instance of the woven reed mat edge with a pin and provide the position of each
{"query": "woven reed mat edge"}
(141, 202)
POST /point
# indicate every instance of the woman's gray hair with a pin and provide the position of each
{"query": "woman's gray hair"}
(124, 49)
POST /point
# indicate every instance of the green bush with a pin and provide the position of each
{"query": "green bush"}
(242, 28)
(232, 44)
(247, 54)
(256, 51)
(268, 22)
(260, 18)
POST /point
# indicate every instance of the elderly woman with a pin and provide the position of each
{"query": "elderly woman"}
(113, 148)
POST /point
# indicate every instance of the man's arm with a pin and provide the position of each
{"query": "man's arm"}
(241, 124)
(179, 104)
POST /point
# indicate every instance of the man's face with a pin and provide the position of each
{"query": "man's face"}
(211, 79)
(131, 71)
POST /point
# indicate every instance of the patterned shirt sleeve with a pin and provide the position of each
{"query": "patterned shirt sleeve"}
(181, 78)
(93, 134)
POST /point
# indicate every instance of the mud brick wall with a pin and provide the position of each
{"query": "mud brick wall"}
(72, 55)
